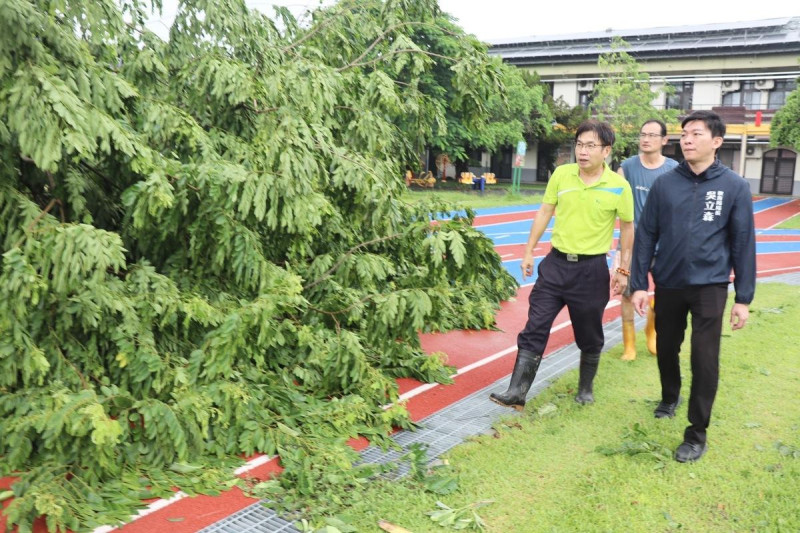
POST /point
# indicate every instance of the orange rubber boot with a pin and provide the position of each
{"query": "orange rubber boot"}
(650, 328)
(628, 341)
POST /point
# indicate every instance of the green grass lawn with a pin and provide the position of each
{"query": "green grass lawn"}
(496, 195)
(792, 223)
(561, 467)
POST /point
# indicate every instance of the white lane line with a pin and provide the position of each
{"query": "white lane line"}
(486, 360)
(796, 267)
(152, 508)
(253, 463)
(161, 503)
(263, 459)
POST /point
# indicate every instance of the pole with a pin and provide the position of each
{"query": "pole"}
(519, 162)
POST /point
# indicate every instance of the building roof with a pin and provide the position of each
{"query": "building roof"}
(777, 36)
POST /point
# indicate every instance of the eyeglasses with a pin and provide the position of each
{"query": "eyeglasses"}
(589, 146)
(649, 135)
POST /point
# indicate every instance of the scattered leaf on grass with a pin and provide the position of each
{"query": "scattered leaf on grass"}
(391, 528)
(787, 450)
(441, 484)
(751, 425)
(459, 518)
(546, 409)
(671, 521)
(335, 524)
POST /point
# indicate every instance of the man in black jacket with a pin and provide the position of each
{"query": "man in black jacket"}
(700, 215)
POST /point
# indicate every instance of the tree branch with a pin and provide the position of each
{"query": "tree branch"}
(36, 220)
(363, 167)
(331, 314)
(57, 200)
(311, 33)
(260, 111)
(379, 39)
(84, 385)
(345, 255)
(391, 53)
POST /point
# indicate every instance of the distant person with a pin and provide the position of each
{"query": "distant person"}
(641, 171)
(700, 216)
(589, 197)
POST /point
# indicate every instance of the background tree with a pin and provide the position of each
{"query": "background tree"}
(518, 112)
(514, 107)
(204, 249)
(785, 126)
(624, 97)
(564, 123)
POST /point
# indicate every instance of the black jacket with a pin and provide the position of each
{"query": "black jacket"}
(703, 227)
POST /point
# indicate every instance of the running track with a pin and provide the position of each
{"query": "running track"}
(481, 357)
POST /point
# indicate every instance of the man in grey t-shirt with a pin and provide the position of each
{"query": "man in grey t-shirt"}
(641, 171)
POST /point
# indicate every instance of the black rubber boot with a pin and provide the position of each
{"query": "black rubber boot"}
(588, 369)
(521, 380)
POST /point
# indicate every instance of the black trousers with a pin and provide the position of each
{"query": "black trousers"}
(707, 305)
(583, 287)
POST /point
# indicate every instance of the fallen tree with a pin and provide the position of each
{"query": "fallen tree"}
(205, 253)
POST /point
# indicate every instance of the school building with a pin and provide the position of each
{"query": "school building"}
(743, 71)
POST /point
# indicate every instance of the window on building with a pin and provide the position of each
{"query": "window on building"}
(681, 99)
(475, 157)
(585, 99)
(777, 96)
(747, 95)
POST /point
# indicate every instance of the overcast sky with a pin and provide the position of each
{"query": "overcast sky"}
(499, 19)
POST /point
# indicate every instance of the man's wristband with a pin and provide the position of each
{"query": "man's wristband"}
(624, 272)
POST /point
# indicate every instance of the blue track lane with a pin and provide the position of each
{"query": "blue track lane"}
(510, 233)
(758, 205)
(766, 203)
(513, 265)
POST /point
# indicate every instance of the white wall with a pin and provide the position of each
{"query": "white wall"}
(660, 101)
(568, 90)
(707, 94)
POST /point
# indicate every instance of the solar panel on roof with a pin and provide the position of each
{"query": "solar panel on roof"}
(728, 38)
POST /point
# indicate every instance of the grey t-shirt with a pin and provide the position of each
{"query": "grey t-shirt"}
(641, 179)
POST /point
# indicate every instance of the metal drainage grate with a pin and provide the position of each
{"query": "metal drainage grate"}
(441, 431)
(255, 518)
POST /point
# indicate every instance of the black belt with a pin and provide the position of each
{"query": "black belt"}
(573, 258)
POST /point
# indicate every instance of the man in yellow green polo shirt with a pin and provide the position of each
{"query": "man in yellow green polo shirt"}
(587, 197)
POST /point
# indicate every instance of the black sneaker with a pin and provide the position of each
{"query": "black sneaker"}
(689, 452)
(666, 410)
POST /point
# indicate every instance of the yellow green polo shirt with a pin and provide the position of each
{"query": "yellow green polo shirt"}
(585, 215)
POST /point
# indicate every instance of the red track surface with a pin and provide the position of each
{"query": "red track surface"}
(463, 348)
(484, 220)
(774, 215)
